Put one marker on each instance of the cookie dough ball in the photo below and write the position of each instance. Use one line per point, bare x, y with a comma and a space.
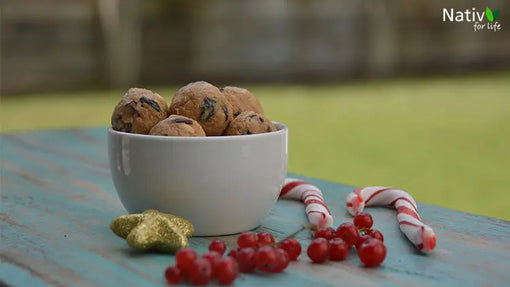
138, 111
176, 125
248, 123
204, 103
242, 100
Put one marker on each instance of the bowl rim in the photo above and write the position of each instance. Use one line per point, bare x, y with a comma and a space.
280, 130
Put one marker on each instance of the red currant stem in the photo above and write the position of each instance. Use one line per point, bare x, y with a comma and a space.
292, 235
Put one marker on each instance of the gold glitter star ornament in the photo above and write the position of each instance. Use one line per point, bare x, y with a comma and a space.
153, 230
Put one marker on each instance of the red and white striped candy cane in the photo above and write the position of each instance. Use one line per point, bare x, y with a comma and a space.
316, 210
421, 235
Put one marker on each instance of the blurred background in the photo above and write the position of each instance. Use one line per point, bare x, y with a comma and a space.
375, 92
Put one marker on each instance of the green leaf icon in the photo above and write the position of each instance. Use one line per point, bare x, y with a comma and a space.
495, 14
488, 14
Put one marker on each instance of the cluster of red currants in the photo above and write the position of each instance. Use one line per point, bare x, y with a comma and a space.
254, 252
334, 244
200, 270
258, 252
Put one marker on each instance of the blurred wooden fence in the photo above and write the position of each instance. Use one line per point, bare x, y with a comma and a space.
49, 45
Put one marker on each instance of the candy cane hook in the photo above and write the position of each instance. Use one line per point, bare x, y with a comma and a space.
421, 235
316, 210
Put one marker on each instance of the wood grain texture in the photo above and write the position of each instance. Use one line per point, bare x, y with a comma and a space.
57, 200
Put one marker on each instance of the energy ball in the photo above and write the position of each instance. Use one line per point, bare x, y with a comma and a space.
248, 123
204, 103
176, 125
242, 100
138, 111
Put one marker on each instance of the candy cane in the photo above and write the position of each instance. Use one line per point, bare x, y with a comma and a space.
318, 213
421, 235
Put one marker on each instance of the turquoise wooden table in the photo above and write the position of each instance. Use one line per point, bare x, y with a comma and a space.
58, 200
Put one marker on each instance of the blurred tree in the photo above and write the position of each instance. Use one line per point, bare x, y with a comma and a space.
121, 27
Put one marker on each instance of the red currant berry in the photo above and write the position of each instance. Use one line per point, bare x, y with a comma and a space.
233, 253
213, 257
245, 259
265, 258
173, 275
200, 272
184, 258
327, 233
374, 233
265, 238
282, 260
218, 246
338, 249
247, 239
363, 220
372, 252
362, 239
292, 246
348, 232
227, 270
318, 250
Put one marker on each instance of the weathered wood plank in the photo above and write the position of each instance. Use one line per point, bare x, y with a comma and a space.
58, 200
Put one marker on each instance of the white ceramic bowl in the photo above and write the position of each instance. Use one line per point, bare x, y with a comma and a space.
223, 185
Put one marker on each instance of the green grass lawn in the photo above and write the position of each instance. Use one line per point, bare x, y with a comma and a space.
445, 140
